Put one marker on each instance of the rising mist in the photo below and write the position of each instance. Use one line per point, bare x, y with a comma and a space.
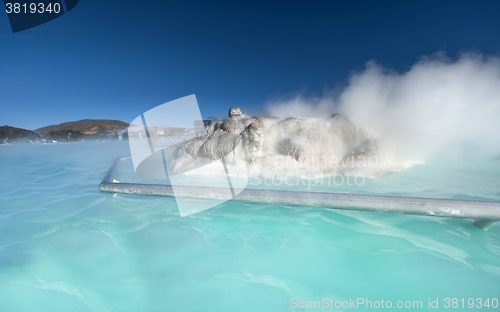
439, 108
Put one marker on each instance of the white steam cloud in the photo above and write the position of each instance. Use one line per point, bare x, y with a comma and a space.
439, 108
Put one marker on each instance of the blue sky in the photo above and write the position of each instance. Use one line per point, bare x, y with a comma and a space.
117, 59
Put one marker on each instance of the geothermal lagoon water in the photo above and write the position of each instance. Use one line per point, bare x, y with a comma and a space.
65, 246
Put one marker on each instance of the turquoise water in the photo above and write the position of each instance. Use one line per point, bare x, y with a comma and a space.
65, 246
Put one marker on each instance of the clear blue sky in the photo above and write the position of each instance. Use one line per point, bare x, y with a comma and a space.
117, 59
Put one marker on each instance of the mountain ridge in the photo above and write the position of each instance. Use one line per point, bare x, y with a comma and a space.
85, 127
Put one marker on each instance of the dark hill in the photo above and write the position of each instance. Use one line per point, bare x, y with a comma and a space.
86, 127
12, 134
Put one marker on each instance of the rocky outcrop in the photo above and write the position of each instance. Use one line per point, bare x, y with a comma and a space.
322, 146
11, 135
253, 139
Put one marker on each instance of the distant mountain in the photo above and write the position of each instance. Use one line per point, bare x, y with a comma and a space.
82, 128
12, 134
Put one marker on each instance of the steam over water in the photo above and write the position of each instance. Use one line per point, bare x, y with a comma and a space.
439, 108
291, 147
65, 246
383, 121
